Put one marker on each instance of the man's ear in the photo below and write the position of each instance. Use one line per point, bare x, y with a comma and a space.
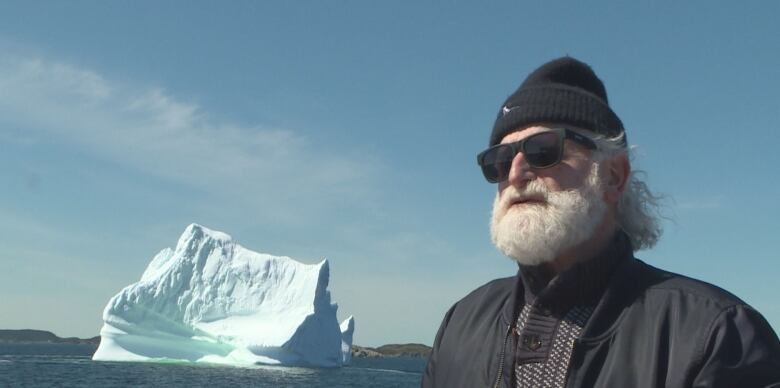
617, 171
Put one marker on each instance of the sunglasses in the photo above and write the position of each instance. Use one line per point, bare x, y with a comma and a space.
540, 150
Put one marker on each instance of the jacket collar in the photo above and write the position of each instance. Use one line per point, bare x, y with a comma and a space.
631, 278
583, 284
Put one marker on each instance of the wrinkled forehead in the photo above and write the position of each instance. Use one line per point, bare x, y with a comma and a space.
528, 130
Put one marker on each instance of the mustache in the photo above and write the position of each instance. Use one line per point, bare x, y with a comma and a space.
534, 190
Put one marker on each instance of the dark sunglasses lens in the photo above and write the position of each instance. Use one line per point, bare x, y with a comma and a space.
540, 151
495, 173
543, 150
496, 163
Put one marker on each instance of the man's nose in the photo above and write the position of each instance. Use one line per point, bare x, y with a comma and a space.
520, 172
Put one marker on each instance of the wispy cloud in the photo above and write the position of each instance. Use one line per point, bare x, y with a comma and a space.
254, 174
148, 129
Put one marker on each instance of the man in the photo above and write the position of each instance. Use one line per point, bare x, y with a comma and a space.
582, 311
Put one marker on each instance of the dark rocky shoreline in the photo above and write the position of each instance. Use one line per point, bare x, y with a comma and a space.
43, 336
392, 350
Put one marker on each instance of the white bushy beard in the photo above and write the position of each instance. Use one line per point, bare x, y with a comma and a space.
536, 233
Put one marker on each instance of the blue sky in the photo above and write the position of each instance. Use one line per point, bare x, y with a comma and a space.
348, 130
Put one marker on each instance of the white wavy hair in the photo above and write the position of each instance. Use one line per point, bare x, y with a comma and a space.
638, 210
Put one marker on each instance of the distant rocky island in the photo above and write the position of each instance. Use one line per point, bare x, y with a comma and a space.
392, 350
43, 336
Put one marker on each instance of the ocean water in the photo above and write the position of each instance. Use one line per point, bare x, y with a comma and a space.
45, 365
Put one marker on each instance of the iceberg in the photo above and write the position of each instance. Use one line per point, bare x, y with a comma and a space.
212, 300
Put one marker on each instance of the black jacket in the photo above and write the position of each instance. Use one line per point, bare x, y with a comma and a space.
652, 328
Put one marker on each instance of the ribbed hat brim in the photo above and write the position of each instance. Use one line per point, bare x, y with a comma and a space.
555, 103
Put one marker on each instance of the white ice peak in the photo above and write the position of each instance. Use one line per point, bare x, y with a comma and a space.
212, 300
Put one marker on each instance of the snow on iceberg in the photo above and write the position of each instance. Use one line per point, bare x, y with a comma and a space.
212, 300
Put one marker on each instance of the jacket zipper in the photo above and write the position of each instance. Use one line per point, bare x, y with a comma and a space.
500, 376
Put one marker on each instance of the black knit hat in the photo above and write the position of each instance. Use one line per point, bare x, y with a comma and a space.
564, 91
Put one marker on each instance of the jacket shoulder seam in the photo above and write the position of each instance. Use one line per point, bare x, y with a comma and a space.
723, 301
705, 339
